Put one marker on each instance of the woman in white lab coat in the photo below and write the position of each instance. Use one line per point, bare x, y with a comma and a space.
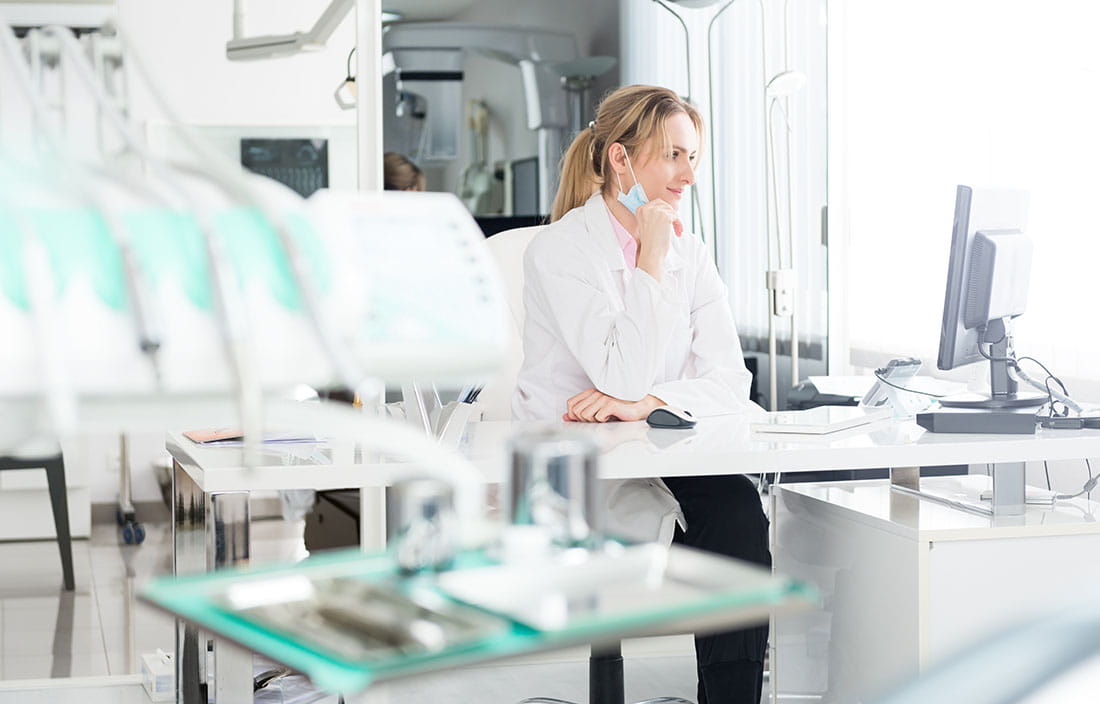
626, 312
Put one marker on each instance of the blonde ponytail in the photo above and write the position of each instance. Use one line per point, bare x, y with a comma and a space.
578, 176
631, 116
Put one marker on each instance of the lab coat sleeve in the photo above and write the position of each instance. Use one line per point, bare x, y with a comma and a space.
716, 380
619, 350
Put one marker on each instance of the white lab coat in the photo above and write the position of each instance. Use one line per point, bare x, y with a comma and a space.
593, 322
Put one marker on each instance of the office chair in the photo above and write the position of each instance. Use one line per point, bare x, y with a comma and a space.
605, 665
55, 477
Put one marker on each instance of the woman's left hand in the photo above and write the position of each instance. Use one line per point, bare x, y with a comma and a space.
593, 406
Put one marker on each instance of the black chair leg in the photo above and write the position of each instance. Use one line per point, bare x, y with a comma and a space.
55, 476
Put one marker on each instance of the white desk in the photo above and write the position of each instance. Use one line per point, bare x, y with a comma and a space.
906, 582
719, 445
210, 491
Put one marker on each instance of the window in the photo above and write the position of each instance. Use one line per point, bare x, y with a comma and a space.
980, 92
743, 38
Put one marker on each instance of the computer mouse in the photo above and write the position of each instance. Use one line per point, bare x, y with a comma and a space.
670, 417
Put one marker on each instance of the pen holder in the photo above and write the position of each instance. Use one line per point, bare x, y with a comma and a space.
422, 524
554, 486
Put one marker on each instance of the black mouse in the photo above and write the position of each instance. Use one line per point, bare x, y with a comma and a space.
670, 417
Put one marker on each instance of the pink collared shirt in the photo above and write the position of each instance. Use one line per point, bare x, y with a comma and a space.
628, 244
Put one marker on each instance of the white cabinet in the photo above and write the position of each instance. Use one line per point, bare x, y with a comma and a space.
905, 582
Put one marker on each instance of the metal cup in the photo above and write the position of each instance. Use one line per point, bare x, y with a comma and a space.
554, 485
422, 524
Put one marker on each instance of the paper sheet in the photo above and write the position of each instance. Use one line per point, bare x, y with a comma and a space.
843, 385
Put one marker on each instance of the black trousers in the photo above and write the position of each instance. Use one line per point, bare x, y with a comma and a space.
724, 515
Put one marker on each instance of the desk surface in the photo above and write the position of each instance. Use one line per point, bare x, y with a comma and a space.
717, 445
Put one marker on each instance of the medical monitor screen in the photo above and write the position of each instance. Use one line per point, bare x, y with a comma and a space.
999, 272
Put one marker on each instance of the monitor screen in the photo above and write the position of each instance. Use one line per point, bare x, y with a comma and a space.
987, 281
976, 210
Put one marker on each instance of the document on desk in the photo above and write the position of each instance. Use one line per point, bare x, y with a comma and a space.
231, 437
822, 420
854, 386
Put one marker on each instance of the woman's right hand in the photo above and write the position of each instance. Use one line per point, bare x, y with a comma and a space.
655, 219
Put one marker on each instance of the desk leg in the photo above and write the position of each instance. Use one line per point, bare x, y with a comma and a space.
372, 518
188, 557
209, 532
1009, 488
905, 477
229, 546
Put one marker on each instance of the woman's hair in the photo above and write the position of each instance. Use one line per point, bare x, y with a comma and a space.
631, 116
400, 174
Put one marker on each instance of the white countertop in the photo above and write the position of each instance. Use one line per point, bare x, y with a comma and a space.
717, 445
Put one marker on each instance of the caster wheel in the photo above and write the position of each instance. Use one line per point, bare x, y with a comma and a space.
128, 534
139, 534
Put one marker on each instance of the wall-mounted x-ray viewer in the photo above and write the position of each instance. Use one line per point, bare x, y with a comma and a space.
300, 164
303, 157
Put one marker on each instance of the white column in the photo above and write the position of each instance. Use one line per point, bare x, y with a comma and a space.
368, 80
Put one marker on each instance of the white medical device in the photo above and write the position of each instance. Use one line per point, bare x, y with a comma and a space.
405, 279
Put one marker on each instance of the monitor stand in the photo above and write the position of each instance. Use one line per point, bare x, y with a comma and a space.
992, 403
1004, 393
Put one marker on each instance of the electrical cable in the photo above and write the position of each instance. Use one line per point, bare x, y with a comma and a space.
1016, 370
878, 375
1086, 489
1046, 471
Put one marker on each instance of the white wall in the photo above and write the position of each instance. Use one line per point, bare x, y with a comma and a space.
183, 45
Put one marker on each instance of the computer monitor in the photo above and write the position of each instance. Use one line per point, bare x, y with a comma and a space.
987, 280
525, 186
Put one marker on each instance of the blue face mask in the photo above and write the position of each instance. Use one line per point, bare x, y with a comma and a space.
635, 197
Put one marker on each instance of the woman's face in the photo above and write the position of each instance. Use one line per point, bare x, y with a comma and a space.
664, 175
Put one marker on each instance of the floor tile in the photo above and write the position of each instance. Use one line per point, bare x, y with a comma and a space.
19, 667
46, 641
66, 609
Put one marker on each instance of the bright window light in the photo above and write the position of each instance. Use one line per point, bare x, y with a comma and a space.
979, 92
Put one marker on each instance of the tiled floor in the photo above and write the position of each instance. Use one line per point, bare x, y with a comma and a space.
84, 647
100, 629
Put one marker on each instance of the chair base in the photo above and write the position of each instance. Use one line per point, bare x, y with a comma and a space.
605, 681
655, 700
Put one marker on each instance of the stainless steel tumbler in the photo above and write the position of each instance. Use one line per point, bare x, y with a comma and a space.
421, 524
554, 485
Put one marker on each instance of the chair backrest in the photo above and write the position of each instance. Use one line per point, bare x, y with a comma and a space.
507, 249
